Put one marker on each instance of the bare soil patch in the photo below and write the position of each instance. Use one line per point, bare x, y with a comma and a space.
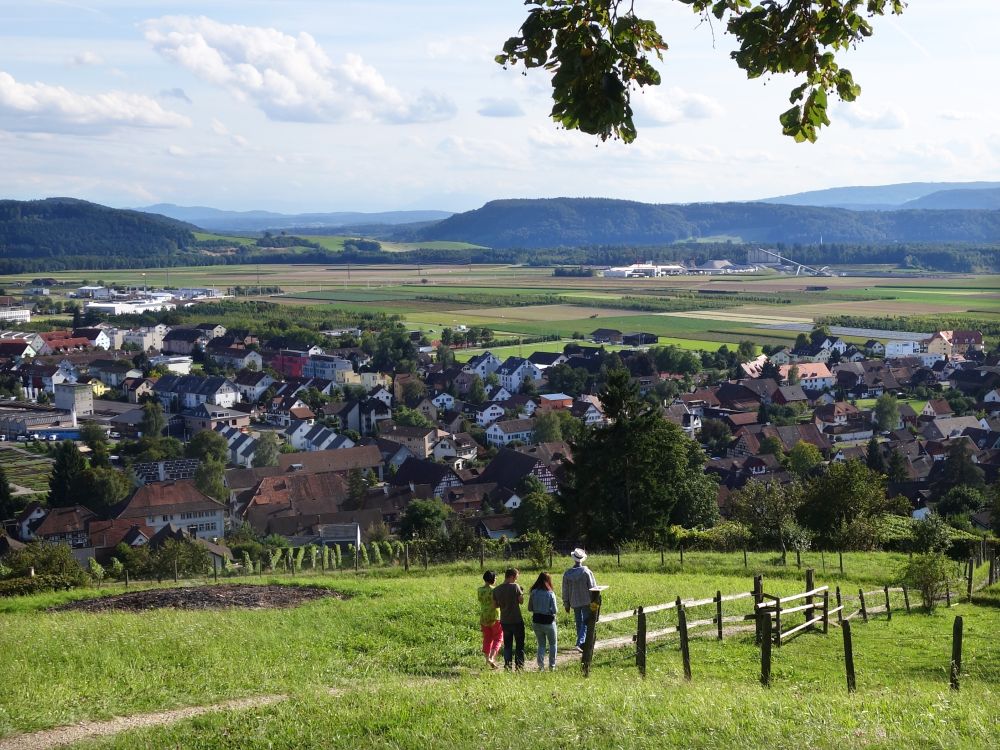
204, 597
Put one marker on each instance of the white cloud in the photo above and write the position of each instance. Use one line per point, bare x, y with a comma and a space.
656, 106
500, 108
888, 117
288, 78
42, 108
85, 58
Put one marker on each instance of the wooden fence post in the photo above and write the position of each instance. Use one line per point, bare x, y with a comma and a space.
215, 570
849, 658
906, 598
588, 643
822, 559
764, 625
640, 643
840, 554
971, 570
745, 564
777, 622
826, 611
947, 594
682, 556
810, 585
175, 570
663, 562
888, 605
758, 597
798, 558
864, 610
682, 629
126, 577
406, 557
840, 608
956, 652
618, 551
718, 614
427, 559
482, 555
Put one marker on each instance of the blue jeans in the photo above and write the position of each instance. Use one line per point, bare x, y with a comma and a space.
545, 634
581, 615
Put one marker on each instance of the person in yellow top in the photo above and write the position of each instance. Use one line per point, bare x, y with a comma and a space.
489, 619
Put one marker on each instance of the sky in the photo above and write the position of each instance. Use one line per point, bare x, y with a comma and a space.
336, 105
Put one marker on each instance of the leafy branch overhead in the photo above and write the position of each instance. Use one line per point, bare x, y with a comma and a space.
599, 51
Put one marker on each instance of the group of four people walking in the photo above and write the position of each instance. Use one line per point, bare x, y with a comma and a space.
501, 621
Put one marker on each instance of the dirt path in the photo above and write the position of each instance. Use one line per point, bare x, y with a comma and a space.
50, 738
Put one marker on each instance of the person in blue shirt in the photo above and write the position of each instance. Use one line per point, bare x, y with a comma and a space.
543, 608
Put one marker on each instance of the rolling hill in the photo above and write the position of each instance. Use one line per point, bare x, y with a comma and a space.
61, 228
574, 222
255, 221
889, 197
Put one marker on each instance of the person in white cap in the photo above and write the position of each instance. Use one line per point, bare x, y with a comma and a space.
576, 585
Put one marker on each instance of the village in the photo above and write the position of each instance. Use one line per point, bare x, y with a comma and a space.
321, 446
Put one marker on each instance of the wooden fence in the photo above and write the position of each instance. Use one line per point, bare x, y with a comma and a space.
769, 614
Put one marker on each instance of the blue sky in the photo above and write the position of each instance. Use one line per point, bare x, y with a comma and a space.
304, 105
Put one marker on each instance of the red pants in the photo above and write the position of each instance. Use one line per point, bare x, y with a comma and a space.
492, 638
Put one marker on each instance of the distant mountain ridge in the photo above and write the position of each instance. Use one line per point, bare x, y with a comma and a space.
577, 222
218, 220
891, 197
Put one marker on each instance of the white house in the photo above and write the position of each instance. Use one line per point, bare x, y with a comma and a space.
515, 371
488, 414
483, 365
898, 349
508, 431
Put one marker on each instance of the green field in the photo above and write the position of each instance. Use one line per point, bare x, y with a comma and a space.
526, 301
401, 655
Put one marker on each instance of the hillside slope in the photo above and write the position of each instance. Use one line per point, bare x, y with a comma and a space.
66, 227
877, 197
987, 199
569, 222
255, 221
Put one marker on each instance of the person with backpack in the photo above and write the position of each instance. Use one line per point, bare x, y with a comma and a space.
543, 608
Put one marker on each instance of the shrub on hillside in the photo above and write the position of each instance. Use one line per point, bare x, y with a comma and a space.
45, 559
25, 585
930, 574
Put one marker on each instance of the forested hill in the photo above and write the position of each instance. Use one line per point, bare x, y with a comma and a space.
574, 222
65, 232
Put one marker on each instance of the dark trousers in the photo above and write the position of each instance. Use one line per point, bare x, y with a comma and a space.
513, 644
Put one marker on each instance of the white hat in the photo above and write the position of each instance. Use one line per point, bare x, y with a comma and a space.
578, 554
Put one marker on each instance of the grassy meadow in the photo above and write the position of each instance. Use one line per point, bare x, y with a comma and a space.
397, 665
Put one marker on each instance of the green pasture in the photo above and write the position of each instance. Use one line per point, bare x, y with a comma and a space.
402, 655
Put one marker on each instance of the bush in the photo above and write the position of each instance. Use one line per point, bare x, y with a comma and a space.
25, 585
729, 536
96, 570
538, 548
930, 574
46, 559
931, 534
